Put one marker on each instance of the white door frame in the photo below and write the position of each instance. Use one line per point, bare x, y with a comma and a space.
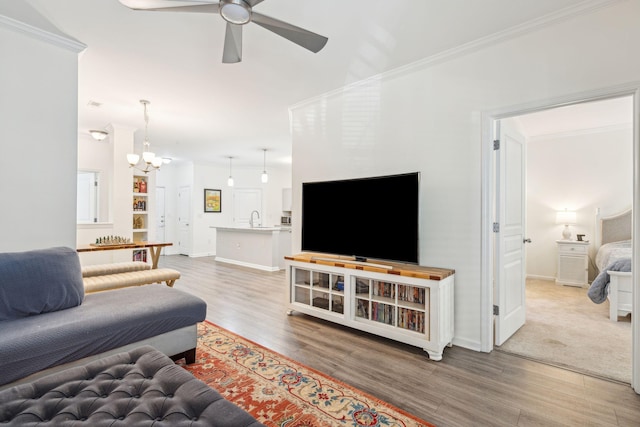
488, 194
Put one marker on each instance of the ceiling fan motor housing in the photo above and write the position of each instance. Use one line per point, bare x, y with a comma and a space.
235, 11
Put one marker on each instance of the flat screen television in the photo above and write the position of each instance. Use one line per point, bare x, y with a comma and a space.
375, 217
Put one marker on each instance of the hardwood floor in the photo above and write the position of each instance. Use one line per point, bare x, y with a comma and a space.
466, 388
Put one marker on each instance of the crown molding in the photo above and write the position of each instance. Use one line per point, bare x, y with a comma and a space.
64, 42
473, 46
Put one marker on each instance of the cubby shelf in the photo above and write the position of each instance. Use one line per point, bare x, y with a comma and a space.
139, 214
407, 303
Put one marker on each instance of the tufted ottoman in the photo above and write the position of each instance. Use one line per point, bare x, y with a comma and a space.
142, 387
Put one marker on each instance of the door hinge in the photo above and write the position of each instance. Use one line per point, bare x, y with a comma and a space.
496, 310
95, 183
496, 144
496, 227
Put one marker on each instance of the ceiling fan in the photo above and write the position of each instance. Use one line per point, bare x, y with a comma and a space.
237, 13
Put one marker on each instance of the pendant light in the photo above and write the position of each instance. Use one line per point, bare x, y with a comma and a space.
230, 180
264, 177
149, 159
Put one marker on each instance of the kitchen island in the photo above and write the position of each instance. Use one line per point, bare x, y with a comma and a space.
263, 248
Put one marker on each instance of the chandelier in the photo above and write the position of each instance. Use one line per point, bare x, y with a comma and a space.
149, 159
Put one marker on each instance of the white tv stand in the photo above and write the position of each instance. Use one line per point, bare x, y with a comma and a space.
403, 302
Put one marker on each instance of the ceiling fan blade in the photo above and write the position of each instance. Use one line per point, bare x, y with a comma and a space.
152, 5
252, 3
308, 40
232, 44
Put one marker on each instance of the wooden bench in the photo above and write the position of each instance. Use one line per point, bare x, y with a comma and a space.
104, 277
114, 268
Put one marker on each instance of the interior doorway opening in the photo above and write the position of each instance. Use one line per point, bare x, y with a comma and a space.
579, 157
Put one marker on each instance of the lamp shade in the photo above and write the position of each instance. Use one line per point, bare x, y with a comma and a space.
566, 217
133, 159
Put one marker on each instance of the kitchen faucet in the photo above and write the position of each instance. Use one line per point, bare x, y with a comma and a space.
251, 220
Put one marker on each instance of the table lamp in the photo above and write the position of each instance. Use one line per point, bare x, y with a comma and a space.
567, 218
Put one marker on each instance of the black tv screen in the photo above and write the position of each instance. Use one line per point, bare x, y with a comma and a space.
374, 217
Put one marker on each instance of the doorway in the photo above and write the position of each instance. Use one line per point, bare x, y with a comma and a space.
549, 234
184, 219
160, 215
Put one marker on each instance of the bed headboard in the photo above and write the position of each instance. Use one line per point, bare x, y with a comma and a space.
613, 228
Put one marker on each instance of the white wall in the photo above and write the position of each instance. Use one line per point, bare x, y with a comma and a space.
109, 158
427, 117
579, 172
38, 135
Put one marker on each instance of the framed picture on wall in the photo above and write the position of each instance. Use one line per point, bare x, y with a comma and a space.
212, 200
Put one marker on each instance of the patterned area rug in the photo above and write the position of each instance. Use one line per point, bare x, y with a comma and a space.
281, 392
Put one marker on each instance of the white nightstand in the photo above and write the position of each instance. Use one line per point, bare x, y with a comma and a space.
573, 263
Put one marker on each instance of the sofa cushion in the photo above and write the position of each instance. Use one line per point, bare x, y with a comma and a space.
39, 281
104, 321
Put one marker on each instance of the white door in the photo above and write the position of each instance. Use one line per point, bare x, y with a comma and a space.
184, 219
509, 277
245, 201
160, 215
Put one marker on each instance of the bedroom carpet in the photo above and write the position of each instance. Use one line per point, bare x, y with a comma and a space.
565, 328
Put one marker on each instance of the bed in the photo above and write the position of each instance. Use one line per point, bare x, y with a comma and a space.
613, 261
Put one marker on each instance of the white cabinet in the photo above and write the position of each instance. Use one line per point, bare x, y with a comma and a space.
286, 199
573, 263
406, 303
259, 247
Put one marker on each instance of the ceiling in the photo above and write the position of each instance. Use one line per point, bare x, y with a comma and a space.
204, 110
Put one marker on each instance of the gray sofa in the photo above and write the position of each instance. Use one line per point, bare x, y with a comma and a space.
47, 323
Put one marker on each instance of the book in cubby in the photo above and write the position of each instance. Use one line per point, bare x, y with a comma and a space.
411, 294
383, 313
140, 255
384, 289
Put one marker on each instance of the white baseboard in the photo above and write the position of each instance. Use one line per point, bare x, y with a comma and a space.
248, 264
468, 344
535, 276
201, 255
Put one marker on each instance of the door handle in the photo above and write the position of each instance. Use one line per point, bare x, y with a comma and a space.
526, 240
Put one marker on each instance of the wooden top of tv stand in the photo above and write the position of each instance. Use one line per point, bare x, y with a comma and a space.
378, 266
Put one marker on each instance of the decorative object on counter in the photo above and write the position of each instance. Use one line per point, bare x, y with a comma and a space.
212, 200
111, 241
581, 238
567, 218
